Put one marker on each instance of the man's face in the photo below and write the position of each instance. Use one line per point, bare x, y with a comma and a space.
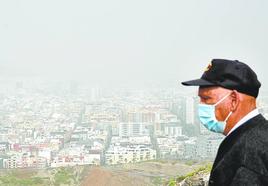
211, 95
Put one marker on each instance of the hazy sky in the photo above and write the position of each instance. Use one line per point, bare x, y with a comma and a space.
130, 41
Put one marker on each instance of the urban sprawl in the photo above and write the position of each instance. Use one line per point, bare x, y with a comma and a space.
66, 124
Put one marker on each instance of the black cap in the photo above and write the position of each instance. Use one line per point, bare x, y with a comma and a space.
229, 74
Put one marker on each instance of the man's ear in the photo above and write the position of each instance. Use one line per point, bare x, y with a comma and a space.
235, 100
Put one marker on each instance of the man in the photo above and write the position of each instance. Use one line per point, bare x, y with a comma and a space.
228, 91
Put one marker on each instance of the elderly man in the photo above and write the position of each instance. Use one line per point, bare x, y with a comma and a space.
228, 91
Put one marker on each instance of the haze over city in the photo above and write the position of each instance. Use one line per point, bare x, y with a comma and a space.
92, 89
129, 43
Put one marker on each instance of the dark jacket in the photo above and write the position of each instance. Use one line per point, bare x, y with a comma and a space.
242, 158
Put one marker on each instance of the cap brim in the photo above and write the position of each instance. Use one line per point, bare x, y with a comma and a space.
198, 82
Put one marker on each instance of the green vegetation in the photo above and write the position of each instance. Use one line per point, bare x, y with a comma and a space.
172, 182
157, 181
205, 169
12, 180
61, 176
64, 176
191, 162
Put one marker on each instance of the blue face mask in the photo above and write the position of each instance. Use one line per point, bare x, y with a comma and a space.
208, 119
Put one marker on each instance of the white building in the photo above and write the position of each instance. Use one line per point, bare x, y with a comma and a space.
190, 149
131, 129
169, 147
11, 162
173, 131
83, 159
129, 154
207, 146
203, 147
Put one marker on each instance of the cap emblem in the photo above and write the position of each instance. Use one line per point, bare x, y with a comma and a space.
208, 67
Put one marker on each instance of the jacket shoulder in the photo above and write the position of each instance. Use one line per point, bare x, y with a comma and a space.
256, 147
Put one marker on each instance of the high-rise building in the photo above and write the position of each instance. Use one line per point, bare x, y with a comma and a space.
95, 94
127, 129
190, 110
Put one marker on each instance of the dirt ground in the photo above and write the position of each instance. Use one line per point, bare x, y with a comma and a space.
149, 173
105, 177
139, 174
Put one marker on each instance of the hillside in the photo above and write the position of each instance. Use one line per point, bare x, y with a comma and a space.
139, 174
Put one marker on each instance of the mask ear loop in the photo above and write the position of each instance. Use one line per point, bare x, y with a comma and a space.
222, 99
228, 116
225, 121
220, 102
